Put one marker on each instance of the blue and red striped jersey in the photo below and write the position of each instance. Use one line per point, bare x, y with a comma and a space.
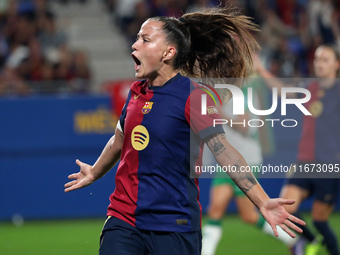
320, 138
163, 140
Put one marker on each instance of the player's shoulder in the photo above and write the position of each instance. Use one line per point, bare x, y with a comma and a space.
199, 88
180, 82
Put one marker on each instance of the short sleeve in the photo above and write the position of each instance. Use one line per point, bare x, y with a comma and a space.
202, 124
121, 121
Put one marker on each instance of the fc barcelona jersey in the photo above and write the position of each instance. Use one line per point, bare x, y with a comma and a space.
163, 141
320, 138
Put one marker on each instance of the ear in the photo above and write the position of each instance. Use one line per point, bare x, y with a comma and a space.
169, 53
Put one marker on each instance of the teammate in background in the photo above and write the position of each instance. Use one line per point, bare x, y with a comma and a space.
319, 143
154, 208
246, 140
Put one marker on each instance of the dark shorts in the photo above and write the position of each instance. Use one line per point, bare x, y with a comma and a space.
322, 189
120, 238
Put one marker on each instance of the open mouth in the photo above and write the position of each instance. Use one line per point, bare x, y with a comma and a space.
137, 62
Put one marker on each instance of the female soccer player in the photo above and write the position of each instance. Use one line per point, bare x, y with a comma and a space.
160, 135
319, 147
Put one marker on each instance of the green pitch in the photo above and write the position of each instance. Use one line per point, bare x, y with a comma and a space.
81, 237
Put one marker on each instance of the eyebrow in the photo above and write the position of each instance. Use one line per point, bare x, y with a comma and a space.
142, 35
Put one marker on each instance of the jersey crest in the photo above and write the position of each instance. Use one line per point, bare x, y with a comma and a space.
147, 107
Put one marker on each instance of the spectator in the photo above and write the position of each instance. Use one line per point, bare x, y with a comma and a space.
34, 55
49, 36
81, 73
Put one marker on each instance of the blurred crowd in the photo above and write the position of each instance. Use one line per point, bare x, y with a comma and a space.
290, 29
35, 57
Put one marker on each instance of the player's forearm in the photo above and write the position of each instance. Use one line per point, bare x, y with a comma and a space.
228, 156
108, 158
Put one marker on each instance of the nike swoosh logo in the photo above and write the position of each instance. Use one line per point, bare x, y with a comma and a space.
135, 97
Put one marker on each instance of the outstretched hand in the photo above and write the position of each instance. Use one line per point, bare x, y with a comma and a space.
81, 179
276, 215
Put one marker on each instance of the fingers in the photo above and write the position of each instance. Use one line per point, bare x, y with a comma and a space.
287, 225
283, 201
79, 163
70, 186
287, 230
275, 230
70, 189
73, 176
292, 218
292, 226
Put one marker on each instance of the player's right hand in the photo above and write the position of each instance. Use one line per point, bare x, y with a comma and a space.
81, 179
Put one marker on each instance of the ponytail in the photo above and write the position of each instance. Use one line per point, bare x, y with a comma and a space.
212, 43
221, 43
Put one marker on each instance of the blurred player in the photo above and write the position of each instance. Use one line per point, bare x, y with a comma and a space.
319, 144
154, 208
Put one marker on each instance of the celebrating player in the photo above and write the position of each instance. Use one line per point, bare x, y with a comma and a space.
319, 146
161, 132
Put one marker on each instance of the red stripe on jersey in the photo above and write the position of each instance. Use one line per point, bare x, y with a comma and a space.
198, 200
193, 115
306, 151
199, 163
124, 199
198, 122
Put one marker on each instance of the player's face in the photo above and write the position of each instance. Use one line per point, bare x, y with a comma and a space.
148, 49
325, 63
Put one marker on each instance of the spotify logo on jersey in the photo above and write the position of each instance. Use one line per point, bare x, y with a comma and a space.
139, 138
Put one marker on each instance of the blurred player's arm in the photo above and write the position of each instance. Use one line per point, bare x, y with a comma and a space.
271, 209
270, 79
107, 159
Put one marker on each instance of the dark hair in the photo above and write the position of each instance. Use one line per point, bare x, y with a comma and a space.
212, 43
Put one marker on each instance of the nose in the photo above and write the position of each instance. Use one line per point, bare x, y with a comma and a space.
134, 46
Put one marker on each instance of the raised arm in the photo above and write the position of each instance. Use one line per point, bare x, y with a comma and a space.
270, 79
271, 209
108, 158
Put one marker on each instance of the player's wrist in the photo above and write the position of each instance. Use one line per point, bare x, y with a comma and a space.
94, 174
260, 197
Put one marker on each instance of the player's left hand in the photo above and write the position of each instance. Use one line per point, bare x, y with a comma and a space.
81, 179
276, 215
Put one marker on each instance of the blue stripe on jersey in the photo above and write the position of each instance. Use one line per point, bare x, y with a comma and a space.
164, 170
327, 144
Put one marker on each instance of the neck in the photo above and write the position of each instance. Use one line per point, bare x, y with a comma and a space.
162, 77
327, 83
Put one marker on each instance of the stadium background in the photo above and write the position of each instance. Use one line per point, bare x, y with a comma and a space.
62, 87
